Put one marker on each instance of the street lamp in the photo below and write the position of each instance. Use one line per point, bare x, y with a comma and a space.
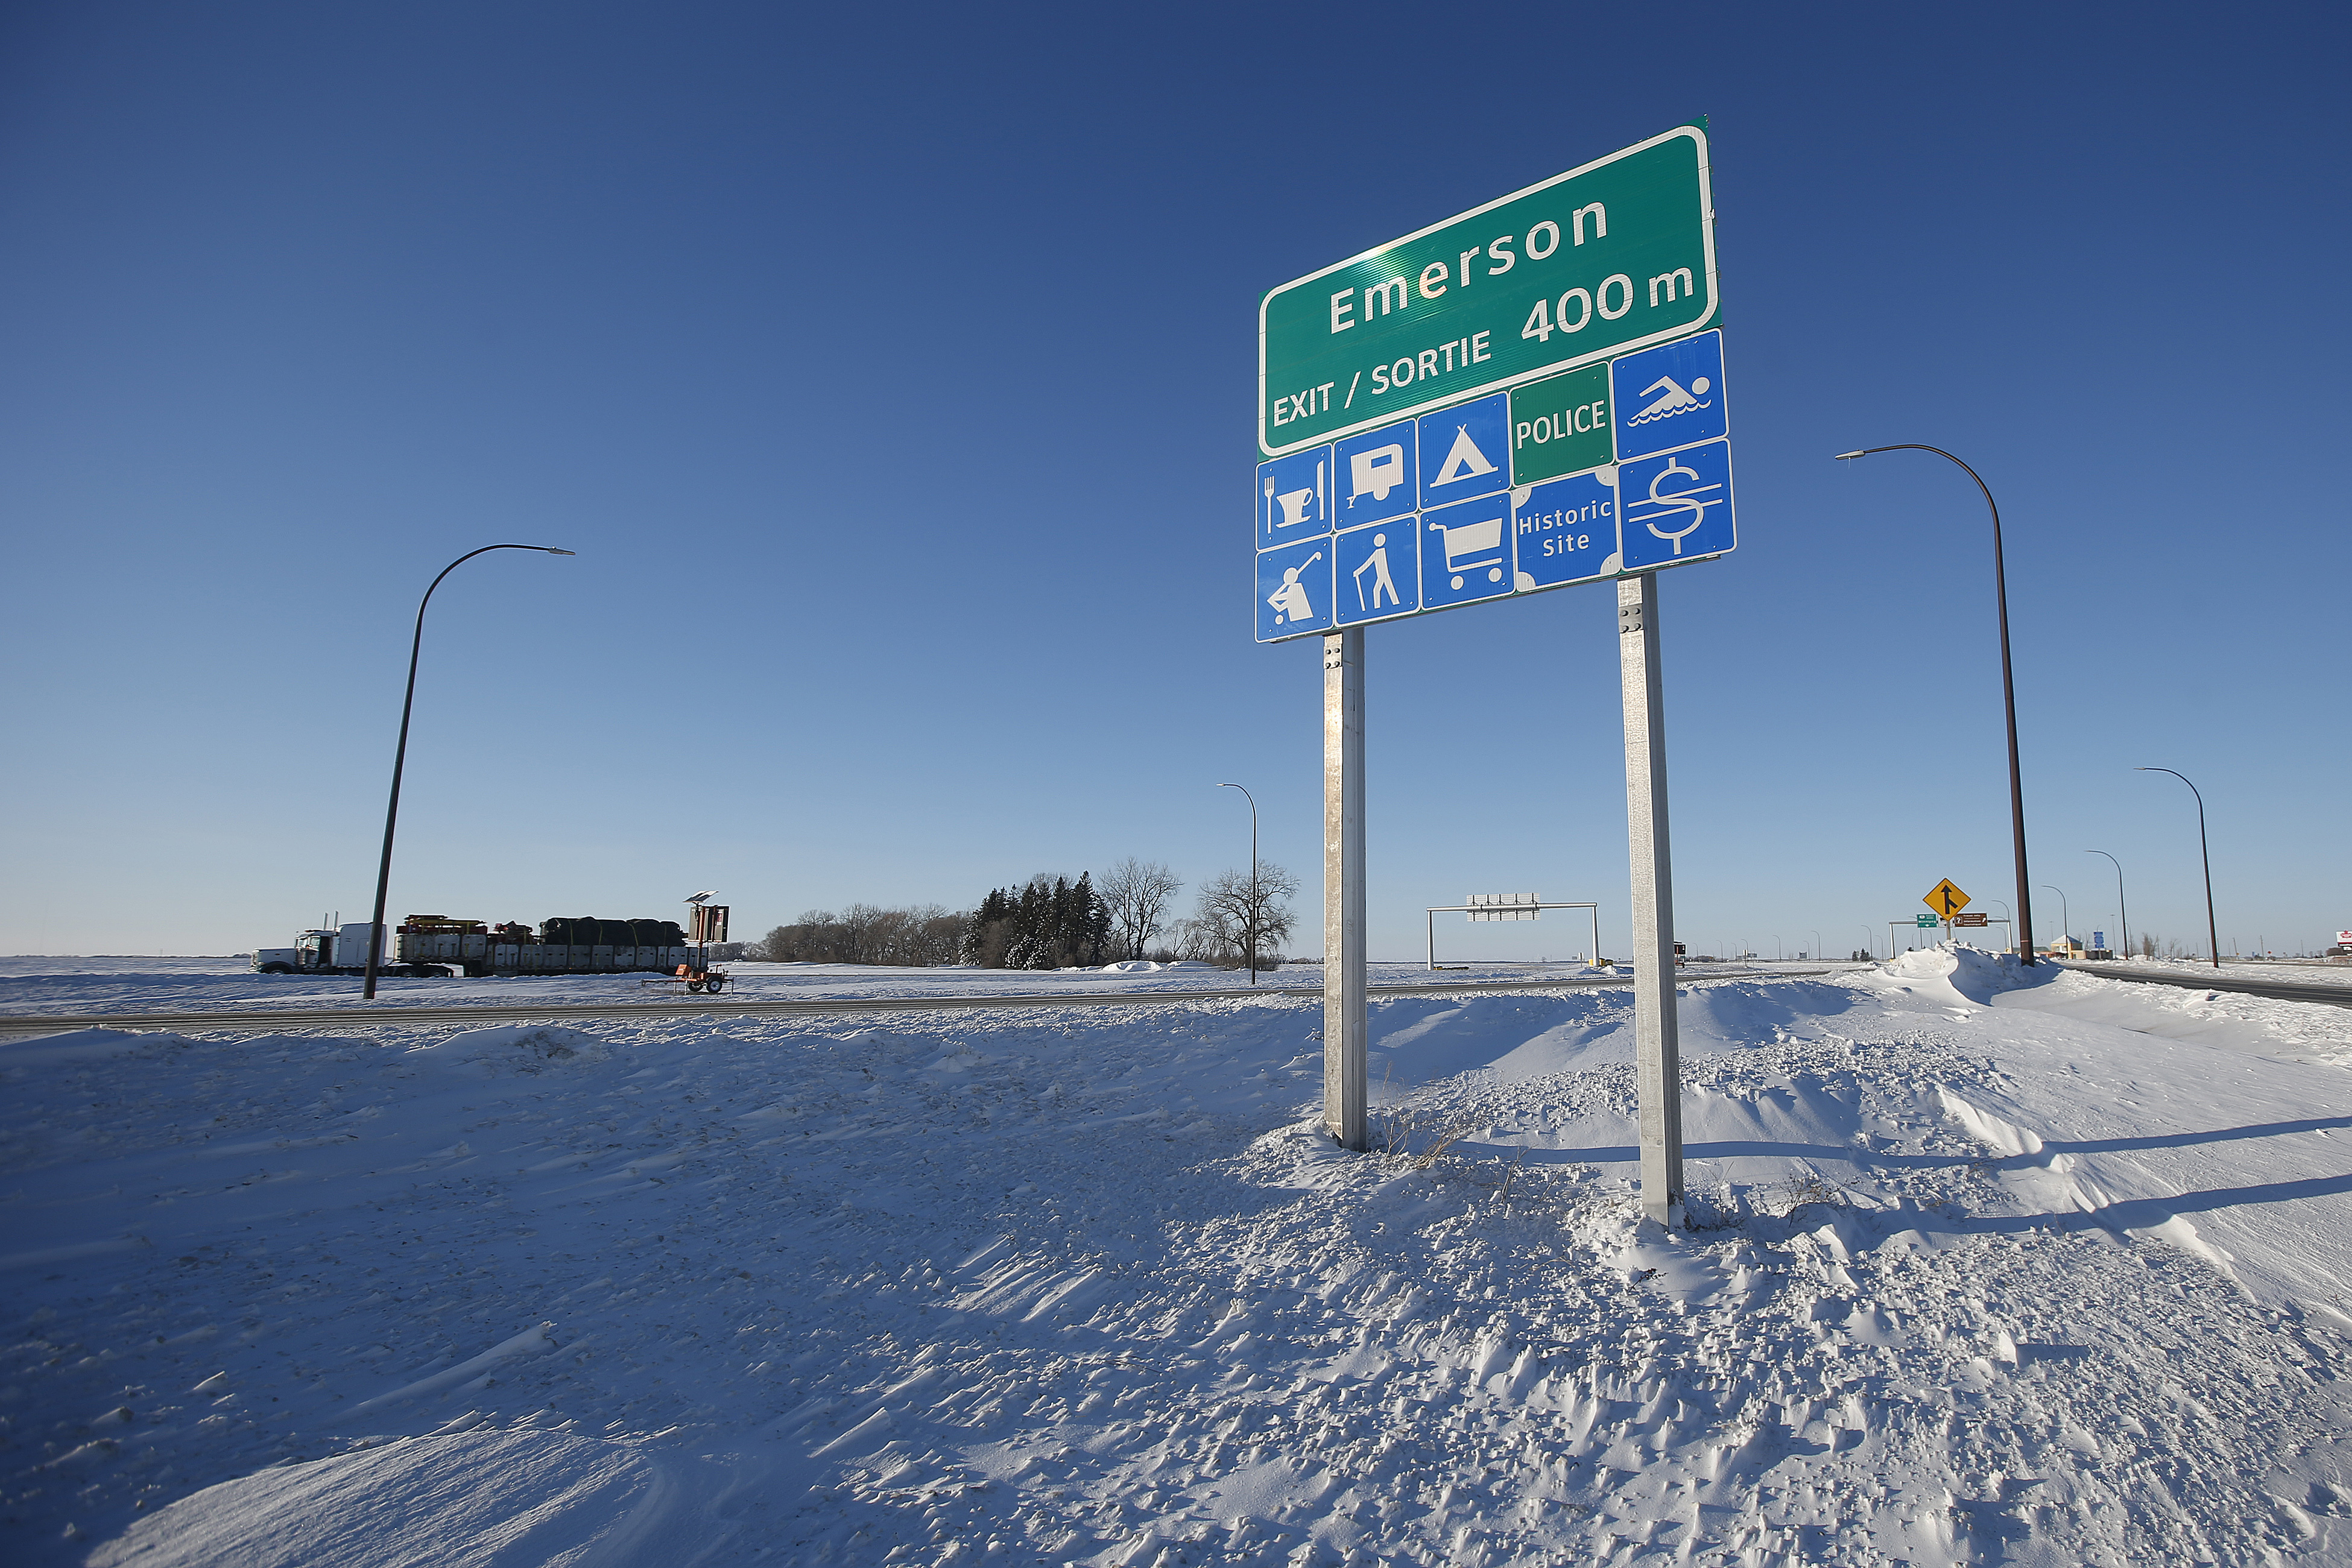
2214, 941
2120, 907
1869, 941
2064, 919
1817, 947
1249, 920
400, 757
2008, 685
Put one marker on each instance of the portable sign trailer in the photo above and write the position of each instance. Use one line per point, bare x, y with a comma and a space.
707, 923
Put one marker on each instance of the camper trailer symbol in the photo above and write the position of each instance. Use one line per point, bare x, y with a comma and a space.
1374, 477
1376, 473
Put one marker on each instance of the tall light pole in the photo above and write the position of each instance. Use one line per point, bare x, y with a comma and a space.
2121, 907
1249, 922
2066, 920
1817, 947
2214, 941
2007, 687
400, 756
1870, 942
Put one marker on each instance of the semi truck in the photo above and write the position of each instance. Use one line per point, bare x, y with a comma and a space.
438, 947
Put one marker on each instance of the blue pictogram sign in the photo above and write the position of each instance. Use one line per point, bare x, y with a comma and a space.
1375, 477
1669, 396
1466, 451
1294, 589
1675, 506
1294, 497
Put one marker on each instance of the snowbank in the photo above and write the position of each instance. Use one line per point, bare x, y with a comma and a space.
1970, 973
1969, 1279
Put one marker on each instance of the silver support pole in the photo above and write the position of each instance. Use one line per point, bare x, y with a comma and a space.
1344, 1020
1657, 1051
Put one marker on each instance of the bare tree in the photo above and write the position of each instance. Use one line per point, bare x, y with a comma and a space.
865, 934
1138, 893
1236, 912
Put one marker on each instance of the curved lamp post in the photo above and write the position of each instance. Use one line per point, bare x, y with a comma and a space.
2121, 907
2007, 687
1249, 924
400, 756
2066, 920
2214, 941
1870, 942
1817, 946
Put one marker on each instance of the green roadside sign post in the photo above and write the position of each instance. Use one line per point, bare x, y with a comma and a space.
1526, 396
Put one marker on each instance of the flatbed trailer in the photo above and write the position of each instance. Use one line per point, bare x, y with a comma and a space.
438, 947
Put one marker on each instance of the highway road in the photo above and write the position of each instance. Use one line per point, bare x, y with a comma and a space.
2281, 990
287, 1020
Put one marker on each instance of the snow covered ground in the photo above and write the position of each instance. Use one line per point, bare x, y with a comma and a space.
44, 987
1977, 1271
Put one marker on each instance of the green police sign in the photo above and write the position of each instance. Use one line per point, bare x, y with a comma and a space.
1609, 257
1560, 424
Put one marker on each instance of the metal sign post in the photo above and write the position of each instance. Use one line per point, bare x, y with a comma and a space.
1344, 1019
1656, 1042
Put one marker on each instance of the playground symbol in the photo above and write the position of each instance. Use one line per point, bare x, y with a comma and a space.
1294, 589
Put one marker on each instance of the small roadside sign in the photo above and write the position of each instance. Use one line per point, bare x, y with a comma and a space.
1926, 919
1970, 919
1945, 899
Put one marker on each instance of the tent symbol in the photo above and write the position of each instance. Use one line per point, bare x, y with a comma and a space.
1464, 461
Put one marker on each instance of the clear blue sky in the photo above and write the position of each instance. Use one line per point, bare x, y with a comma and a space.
891, 371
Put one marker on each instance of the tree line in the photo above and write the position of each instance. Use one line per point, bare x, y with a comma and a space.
919, 937
1050, 922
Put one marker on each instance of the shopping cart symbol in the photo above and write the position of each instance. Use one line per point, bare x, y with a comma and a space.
1469, 546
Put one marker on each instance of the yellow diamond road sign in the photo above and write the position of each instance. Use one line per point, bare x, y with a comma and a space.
1945, 899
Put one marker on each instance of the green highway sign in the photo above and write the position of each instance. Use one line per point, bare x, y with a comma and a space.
1926, 919
1560, 424
1604, 260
